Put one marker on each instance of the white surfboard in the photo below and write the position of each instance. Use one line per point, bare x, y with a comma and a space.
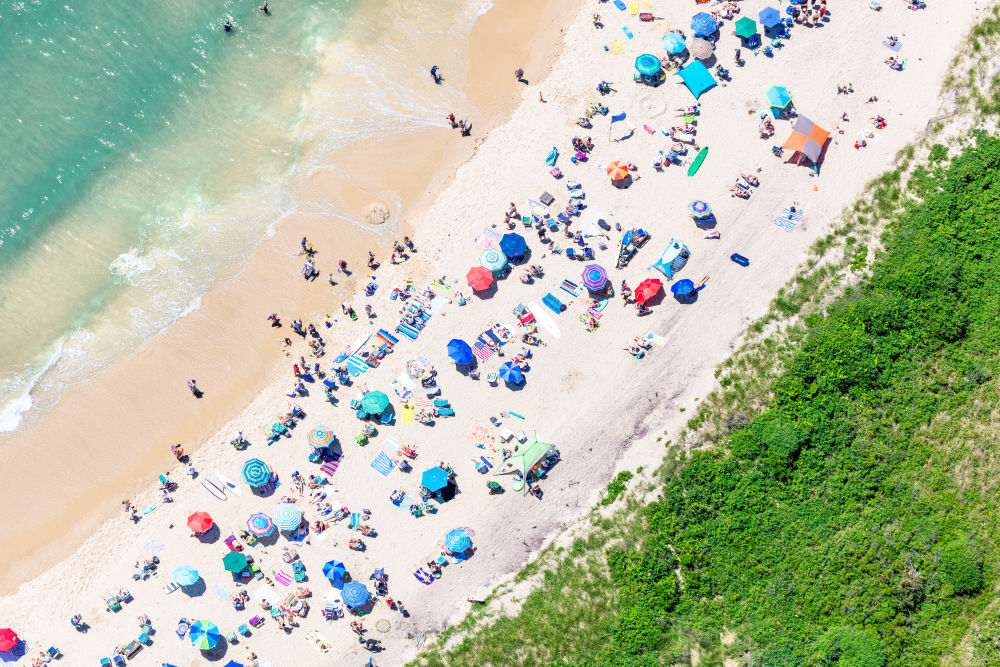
543, 318
228, 485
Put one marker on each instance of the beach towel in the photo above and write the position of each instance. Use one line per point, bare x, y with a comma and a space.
628, 33
401, 390
283, 578
355, 520
488, 239
553, 304
894, 47
221, 593
620, 5
571, 287
405, 503
422, 402
385, 335
633, 9
331, 466
147, 509
382, 464
492, 336
616, 48
482, 350
552, 157
356, 365
655, 339
407, 414
600, 305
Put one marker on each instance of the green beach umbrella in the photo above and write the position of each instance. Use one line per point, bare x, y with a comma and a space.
374, 402
234, 561
746, 27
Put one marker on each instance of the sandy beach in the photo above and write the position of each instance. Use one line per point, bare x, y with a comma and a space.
582, 392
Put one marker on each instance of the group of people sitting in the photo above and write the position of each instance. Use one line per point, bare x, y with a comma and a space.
743, 189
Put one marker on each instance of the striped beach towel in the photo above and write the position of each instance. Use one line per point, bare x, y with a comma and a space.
482, 350
331, 466
282, 578
356, 365
382, 464
422, 402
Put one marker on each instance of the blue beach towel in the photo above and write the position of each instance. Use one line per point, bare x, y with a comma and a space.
554, 304
553, 156
382, 464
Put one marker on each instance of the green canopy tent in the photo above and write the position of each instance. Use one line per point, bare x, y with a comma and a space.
527, 455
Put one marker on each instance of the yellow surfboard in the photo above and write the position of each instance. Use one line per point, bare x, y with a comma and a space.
633, 9
617, 48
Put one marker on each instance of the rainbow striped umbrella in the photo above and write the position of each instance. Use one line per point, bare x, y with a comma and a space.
699, 207
260, 524
594, 277
457, 540
320, 436
286, 516
204, 635
256, 473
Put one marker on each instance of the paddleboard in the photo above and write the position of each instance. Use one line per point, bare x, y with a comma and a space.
228, 485
617, 47
213, 489
620, 5
633, 9
543, 318
693, 169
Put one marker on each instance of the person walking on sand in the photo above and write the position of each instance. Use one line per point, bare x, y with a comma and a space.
540, 98
194, 389
519, 74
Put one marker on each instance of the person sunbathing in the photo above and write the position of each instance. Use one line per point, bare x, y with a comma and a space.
750, 179
739, 192
356, 544
367, 531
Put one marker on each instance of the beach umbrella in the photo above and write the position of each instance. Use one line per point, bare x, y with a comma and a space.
492, 259
286, 516
673, 43
186, 575
354, 594
647, 289
204, 635
746, 27
618, 170
334, 570
511, 372
594, 277
8, 639
260, 524
700, 49
700, 208
459, 351
778, 96
457, 541
234, 561
199, 522
703, 24
513, 245
320, 436
256, 473
434, 479
647, 64
682, 287
374, 402
479, 278
769, 18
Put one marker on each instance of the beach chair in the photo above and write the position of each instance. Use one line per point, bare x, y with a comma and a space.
231, 638
441, 403
256, 621
446, 412
493, 377
54, 652
118, 661
244, 630
105, 662
570, 253
114, 604
385, 417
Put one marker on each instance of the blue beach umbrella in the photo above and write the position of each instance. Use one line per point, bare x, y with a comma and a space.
354, 594
457, 541
769, 18
513, 245
186, 575
286, 516
682, 287
778, 96
204, 635
511, 372
434, 479
334, 570
673, 43
459, 351
703, 24
256, 473
647, 64
492, 259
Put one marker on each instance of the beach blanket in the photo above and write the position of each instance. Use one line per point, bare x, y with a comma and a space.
405, 503
402, 391
387, 337
407, 414
355, 520
382, 464
221, 593
655, 339
788, 219
482, 350
283, 578
490, 238
155, 546
438, 303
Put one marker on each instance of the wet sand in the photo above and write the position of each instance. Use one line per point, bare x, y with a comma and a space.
109, 437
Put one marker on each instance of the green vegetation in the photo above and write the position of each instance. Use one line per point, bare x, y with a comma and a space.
845, 514
617, 486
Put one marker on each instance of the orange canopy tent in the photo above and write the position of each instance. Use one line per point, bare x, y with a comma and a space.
807, 138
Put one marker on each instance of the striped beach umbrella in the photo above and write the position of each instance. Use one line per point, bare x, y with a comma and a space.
286, 516
354, 594
204, 635
186, 575
260, 524
199, 522
617, 170
700, 49
594, 277
493, 259
375, 402
699, 208
334, 570
256, 473
320, 436
457, 540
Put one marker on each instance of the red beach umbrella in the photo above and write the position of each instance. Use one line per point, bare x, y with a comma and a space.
199, 522
647, 289
479, 278
8, 639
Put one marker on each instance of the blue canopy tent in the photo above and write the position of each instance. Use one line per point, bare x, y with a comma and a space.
511, 372
513, 245
703, 25
673, 258
673, 43
459, 351
769, 18
697, 78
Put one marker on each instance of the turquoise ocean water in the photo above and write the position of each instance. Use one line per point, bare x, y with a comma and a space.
143, 145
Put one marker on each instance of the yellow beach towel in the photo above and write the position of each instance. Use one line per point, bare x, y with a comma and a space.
617, 48
407, 414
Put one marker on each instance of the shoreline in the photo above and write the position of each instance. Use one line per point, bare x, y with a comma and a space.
601, 408
249, 363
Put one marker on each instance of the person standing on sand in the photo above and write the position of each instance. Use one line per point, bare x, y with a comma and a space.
519, 75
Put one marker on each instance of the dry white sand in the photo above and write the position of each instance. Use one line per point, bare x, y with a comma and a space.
582, 392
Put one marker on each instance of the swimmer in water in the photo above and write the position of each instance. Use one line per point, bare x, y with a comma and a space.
264, 8
228, 25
